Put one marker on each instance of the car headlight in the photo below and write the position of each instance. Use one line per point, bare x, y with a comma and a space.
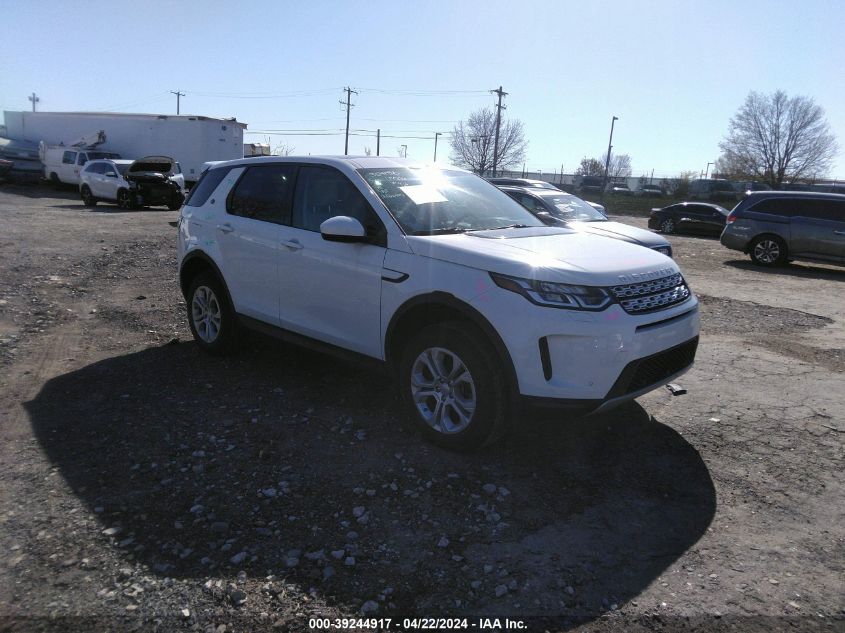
555, 295
666, 250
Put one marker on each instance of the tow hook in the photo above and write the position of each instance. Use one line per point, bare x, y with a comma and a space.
676, 389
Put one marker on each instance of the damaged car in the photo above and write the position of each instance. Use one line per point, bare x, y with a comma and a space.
155, 181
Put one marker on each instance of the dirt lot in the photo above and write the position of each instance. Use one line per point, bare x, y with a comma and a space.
145, 485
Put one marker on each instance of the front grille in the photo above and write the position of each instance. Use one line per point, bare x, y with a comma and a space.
651, 370
648, 296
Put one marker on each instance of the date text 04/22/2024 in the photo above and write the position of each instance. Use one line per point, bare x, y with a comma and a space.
411, 624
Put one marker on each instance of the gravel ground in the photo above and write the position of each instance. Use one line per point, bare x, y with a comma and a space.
147, 486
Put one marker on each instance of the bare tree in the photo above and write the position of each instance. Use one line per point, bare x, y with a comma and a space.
619, 167
590, 167
283, 149
776, 138
473, 142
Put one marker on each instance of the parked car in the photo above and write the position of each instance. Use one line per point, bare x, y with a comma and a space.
619, 189
65, 164
774, 227
155, 181
591, 184
523, 182
104, 181
689, 217
469, 300
712, 189
650, 191
564, 209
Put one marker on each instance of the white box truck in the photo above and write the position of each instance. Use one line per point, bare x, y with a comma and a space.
191, 140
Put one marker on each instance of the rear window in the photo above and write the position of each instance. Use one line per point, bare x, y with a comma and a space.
206, 185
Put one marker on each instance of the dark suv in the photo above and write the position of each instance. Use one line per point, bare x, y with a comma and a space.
774, 227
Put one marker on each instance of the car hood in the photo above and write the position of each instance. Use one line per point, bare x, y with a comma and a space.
621, 231
549, 254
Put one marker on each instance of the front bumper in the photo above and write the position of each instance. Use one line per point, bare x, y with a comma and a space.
587, 360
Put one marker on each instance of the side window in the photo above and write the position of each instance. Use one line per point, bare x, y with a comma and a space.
69, 158
263, 193
824, 210
205, 186
531, 204
776, 206
91, 168
323, 193
82, 159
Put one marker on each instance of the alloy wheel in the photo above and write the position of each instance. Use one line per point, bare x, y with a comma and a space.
767, 251
443, 390
668, 226
206, 314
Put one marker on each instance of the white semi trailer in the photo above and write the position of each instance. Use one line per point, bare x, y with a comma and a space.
191, 140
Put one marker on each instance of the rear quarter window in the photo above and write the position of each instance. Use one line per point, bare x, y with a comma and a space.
784, 207
206, 185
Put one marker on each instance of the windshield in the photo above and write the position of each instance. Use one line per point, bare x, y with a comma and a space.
429, 201
93, 155
572, 209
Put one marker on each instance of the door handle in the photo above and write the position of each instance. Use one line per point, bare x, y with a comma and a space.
840, 232
225, 228
293, 245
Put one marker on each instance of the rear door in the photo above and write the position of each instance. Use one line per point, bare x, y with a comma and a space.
817, 228
68, 166
331, 291
248, 235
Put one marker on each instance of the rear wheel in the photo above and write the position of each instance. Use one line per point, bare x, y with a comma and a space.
175, 202
667, 226
88, 198
210, 316
768, 250
453, 387
54, 180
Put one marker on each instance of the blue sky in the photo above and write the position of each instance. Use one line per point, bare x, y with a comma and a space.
673, 72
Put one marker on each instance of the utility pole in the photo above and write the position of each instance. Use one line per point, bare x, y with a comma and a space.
499, 107
178, 94
651, 180
378, 142
609, 147
561, 173
436, 134
348, 103
34, 98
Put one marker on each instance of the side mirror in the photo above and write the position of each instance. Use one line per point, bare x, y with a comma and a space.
342, 228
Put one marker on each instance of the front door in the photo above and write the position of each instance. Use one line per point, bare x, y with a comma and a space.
331, 291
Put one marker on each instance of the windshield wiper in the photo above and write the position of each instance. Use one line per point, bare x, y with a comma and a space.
509, 226
444, 231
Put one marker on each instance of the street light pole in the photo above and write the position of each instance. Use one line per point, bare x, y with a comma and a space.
609, 146
707, 172
436, 134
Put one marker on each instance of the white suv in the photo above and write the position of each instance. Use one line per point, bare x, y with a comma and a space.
468, 299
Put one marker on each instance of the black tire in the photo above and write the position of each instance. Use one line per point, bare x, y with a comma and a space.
176, 202
768, 250
125, 200
488, 420
223, 342
54, 180
667, 226
88, 198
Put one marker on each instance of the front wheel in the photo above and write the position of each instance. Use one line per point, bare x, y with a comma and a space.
453, 386
768, 250
210, 316
125, 200
88, 198
667, 226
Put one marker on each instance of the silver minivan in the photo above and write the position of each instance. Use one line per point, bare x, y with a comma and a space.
774, 227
